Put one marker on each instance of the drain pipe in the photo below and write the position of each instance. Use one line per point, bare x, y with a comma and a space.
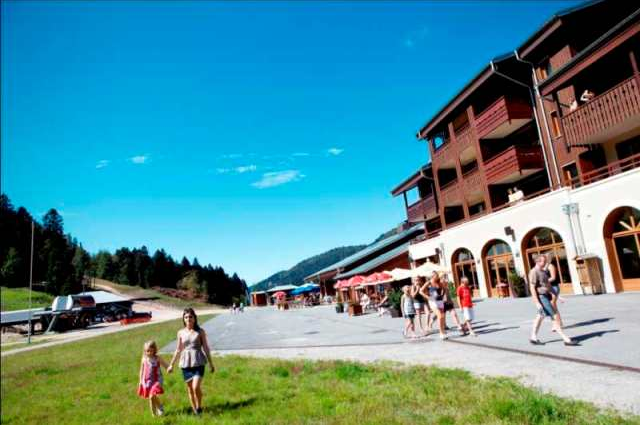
535, 115
566, 209
544, 115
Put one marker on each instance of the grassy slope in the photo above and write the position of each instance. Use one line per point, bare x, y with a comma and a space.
18, 299
138, 292
94, 381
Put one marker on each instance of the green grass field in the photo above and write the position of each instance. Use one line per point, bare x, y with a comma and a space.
94, 381
18, 299
138, 292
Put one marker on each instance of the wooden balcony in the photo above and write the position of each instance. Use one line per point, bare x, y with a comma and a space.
450, 194
502, 118
465, 138
613, 113
473, 182
422, 210
608, 170
513, 164
445, 154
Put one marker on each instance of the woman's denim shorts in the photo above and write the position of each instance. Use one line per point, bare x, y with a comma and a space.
547, 308
188, 373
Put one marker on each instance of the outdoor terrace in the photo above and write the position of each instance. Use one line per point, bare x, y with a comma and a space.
614, 112
502, 118
513, 164
602, 173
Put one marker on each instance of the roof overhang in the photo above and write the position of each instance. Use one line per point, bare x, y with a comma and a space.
455, 102
539, 36
619, 34
411, 182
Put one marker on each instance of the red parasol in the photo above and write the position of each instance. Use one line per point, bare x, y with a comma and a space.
356, 281
280, 294
372, 278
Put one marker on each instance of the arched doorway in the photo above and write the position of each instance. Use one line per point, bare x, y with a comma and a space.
544, 240
499, 264
622, 239
465, 265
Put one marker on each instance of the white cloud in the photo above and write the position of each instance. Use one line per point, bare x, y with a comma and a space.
278, 178
301, 154
245, 169
223, 170
335, 151
140, 159
415, 37
102, 163
231, 156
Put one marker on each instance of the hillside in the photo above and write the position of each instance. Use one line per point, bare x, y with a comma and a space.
297, 273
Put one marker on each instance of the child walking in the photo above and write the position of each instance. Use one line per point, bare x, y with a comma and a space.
150, 385
408, 312
466, 304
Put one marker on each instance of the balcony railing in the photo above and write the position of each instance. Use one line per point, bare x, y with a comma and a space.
512, 161
502, 117
590, 122
473, 181
609, 170
465, 138
422, 210
450, 193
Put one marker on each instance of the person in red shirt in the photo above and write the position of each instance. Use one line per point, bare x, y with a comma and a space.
466, 304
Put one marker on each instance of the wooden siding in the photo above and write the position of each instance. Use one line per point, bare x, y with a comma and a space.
514, 159
450, 193
613, 107
499, 112
422, 210
473, 181
465, 138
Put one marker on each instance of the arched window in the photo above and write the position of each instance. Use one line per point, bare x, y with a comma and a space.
546, 241
499, 266
622, 237
464, 265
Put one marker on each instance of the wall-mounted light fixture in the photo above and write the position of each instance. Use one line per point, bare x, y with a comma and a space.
509, 232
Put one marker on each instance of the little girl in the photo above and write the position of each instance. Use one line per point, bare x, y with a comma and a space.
408, 312
150, 385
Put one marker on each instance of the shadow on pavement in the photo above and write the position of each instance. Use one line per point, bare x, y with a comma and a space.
589, 322
490, 331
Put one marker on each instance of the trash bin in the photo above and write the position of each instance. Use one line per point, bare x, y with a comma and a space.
589, 274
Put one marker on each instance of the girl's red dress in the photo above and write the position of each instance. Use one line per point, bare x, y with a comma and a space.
151, 384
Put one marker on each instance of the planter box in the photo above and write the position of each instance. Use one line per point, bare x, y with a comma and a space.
339, 308
355, 310
394, 312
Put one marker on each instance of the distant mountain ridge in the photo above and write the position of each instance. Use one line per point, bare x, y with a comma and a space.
296, 274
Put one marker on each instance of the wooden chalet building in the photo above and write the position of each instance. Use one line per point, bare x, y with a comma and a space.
574, 165
385, 254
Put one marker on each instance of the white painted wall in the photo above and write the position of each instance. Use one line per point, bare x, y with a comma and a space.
594, 201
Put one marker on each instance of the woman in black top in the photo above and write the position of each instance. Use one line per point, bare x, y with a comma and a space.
419, 305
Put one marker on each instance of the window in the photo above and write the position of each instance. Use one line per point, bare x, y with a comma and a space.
544, 69
571, 175
555, 124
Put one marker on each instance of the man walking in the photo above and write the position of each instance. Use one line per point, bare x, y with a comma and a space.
543, 296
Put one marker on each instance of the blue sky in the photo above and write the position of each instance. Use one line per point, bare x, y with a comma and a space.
251, 134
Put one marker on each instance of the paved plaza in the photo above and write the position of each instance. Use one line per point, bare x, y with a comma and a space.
604, 369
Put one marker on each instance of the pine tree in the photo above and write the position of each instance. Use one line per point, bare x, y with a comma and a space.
13, 270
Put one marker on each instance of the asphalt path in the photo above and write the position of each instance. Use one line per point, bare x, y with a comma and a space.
604, 369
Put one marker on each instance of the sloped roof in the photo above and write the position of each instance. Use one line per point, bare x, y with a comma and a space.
371, 249
381, 259
454, 102
282, 288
